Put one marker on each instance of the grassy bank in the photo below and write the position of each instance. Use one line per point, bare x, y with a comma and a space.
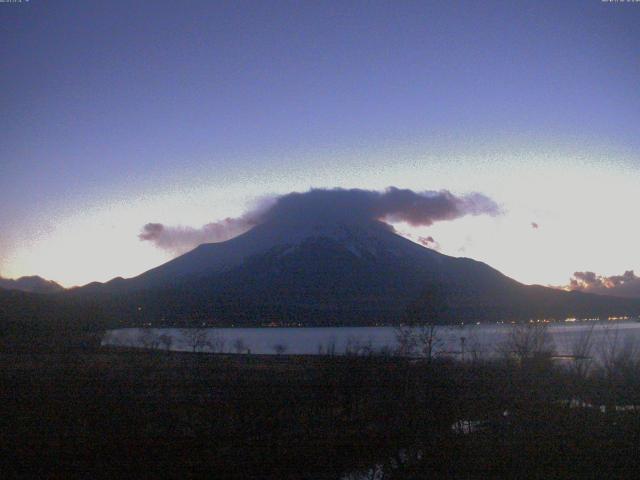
105, 413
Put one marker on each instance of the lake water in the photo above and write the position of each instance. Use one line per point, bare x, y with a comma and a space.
484, 339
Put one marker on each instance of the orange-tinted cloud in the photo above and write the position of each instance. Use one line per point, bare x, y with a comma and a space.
625, 285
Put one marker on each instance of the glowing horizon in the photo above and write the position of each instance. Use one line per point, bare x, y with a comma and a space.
540, 196
534, 107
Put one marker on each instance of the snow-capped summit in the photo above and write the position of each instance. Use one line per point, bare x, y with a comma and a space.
360, 238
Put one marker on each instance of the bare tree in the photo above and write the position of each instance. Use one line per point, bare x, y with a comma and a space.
357, 346
385, 351
239, 345
406, 340
473, 348
328, 349
148, 338
216, 342
279, 348
528, 341
422, 339
620, 363
609, 351
166, 341
618, 355
581, 351
331, 347
196, 338
429, 340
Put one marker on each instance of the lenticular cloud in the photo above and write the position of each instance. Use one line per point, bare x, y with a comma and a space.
328, 206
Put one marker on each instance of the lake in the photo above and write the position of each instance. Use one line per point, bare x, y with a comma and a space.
482, 340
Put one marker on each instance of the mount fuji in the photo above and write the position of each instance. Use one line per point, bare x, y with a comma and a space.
333, 273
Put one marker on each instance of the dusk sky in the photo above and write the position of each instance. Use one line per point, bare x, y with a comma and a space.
116, 114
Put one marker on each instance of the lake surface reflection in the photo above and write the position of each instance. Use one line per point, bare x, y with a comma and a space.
481, 340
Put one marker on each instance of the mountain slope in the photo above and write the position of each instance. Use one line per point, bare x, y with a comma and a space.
212, 258
33, 284
328, 274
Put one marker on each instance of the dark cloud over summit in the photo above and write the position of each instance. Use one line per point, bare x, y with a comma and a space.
391, 205
329, 206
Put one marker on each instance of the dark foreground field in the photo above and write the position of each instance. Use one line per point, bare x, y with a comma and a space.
122, 414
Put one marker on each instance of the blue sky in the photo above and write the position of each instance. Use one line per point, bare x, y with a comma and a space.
116, 114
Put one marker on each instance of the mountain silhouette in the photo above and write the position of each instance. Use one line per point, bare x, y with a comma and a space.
332, 273
33, 284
